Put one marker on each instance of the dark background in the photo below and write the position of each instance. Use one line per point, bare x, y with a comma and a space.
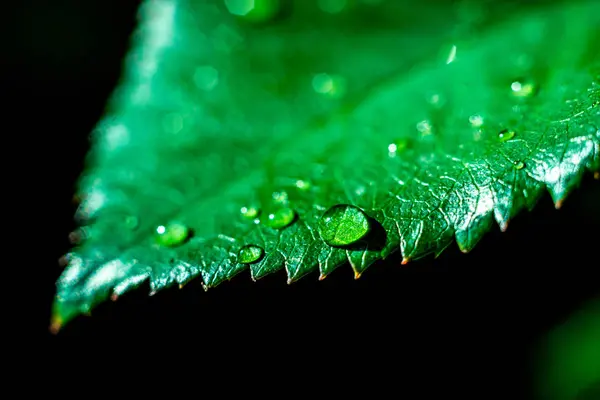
461, 325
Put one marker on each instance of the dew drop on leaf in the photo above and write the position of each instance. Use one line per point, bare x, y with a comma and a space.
281, 218
302, 184
506, 134
523, 88
250, 212
519, 165
343, 225
250, 254
476, 121
172, 234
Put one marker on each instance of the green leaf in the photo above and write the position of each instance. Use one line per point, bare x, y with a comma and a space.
431, 120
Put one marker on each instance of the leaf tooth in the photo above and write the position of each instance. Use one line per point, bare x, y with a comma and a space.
272, 262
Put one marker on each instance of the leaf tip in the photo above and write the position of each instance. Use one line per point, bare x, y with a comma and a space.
558, 204
114, 297
405, 261
597, 175
322, 277
55, 324
504, 225
357, 275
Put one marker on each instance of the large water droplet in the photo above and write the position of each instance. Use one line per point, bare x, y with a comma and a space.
249, 212
250, 254
523, 88
343, 225
506, 134
281, 218
172, 234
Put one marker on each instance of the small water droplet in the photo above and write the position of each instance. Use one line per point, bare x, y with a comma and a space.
330, 85
250, 254
424, 127
332, 6
398, 146
302, 184
519, 165
476, 120
523, 88
435, 99
281, 218
250, 212
452, 55
343, 224
506, 134
280, 197
172, 234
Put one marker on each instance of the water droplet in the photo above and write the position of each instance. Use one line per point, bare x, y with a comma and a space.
424, 127
281, 218
332, 6
172, 234
343, 224
250, 212
506, 134
476, 121
397, 146
302, 184
254, 10
250, 254
330, 85
206, 77
523, 88
519, 165
280, 197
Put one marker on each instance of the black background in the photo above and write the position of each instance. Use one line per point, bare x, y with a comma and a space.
461, 324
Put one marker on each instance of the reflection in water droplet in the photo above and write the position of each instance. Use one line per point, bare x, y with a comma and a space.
424, 127
281, 218
206, 77
506, 134
519, 165
343, 225
250, 254
250, 212
332, 6
451, 55
523, 88
476, 121
172, 234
